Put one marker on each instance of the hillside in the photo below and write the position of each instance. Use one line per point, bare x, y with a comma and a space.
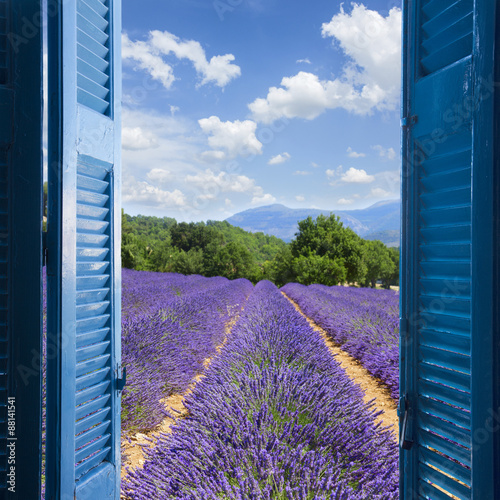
381, 220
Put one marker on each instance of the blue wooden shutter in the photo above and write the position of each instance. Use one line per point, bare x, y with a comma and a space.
447, 347
83, 414
20, 250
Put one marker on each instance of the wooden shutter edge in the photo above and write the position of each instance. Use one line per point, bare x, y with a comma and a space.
26, 248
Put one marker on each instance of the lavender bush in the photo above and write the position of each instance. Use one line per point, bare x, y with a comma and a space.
171, 324
275, 417
363, 321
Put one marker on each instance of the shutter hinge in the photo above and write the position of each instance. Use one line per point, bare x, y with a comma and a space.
403, 411
44, 248
408, 121
121, 380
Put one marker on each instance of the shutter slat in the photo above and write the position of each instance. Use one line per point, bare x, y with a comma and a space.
446, 270
91, 240
96, 18
447, 289
457, 437
445, 394
441, 199
432, 441
444, 323
91, 434
91, 212
442, 375
86, 283
89, 198
90, 337
91, 462
448, 359
92, 45
456, 306
427, 491
98, 6
90, 365
92, 406
93, 60
93, 419
446, 217
87, 310
91, 379
91, 268
92, 88
444, 252
91, 226
445, 465
447, 483
91, 254
449, 341
442, 410
90, 296
92, 101
93, 74
95, 323
92, 184
97, 34
91, 393
91, 448
91, 350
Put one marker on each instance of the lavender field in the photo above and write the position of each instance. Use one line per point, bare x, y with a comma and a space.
363, 321
275, 416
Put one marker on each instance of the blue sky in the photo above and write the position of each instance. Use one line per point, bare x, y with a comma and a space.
234, 104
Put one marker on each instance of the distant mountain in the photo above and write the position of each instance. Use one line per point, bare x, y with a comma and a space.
379, 221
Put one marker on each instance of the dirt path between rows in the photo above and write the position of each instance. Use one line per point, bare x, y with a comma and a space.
373, 388
133, 450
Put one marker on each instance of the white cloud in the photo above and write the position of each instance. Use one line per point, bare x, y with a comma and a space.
300, 198
356, 176
137, 138
281, 158
330, 173
302, 172
314, 165
305, 61
159, 176
235, 138
141, 53
352, 154
143, 193
174, 109
379, 193
263, 199
344, 201
149, 54
371, 79
385, 153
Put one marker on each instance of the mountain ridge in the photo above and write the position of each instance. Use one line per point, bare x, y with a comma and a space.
378, 221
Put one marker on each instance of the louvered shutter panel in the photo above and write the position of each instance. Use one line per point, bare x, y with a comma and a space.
20, 251
446, 330
83, 444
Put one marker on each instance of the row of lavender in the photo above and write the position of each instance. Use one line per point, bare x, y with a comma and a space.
363, 321
171, 323
275, 417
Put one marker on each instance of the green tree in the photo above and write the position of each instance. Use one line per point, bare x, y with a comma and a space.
378, 263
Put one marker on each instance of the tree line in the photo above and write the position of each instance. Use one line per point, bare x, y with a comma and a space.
323, 251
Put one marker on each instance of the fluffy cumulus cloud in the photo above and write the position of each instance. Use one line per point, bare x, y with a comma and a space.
149, 56
344, 201
143, 193
137, 138
370, 80
385, 153
211, 185
356, 176
230, 139
352, 154
281, 158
